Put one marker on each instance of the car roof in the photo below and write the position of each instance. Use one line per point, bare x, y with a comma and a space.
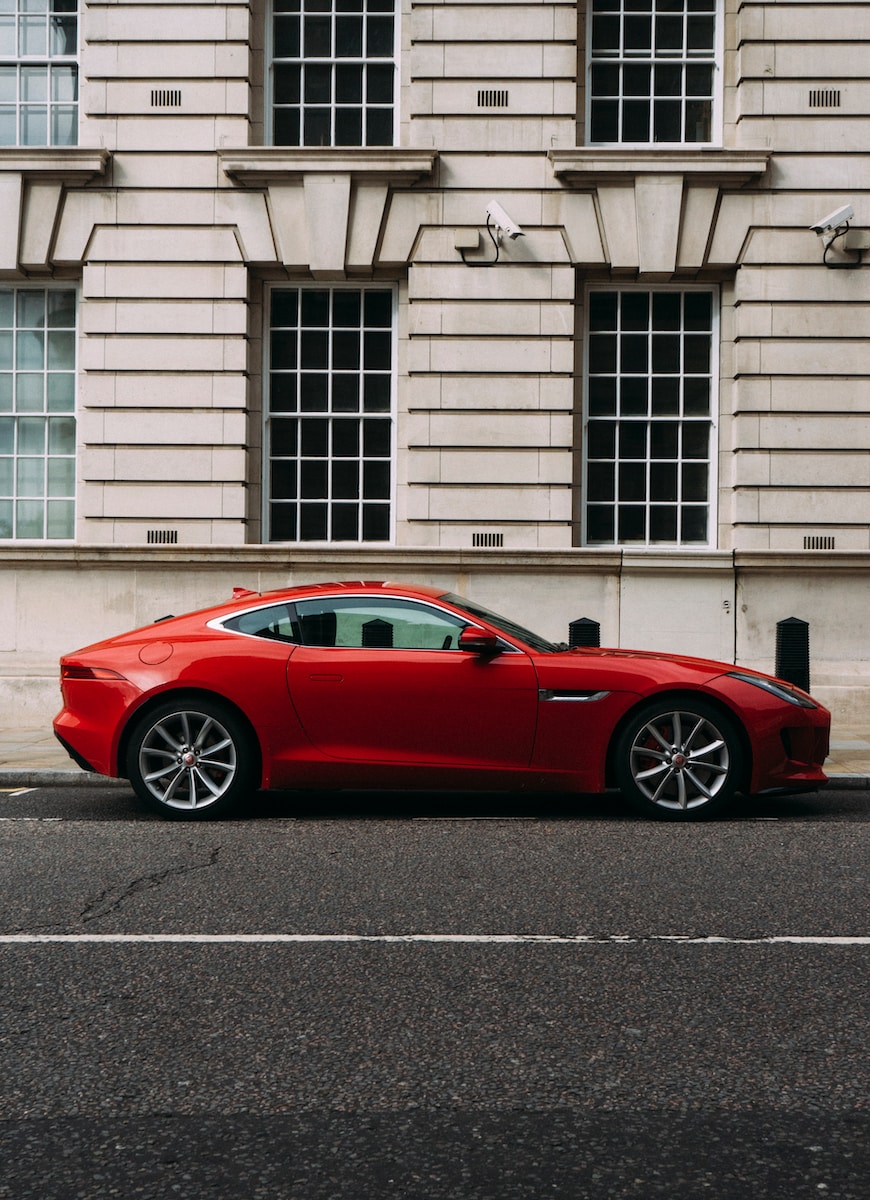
363, 585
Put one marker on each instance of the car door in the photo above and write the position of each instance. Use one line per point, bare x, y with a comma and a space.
381, 679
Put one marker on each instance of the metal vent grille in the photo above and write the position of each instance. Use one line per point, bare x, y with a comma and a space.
166, 97
162, 537
492, 98
819, 541
824, 97
490, 540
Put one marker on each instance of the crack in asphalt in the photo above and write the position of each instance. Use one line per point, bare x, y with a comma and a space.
110, 899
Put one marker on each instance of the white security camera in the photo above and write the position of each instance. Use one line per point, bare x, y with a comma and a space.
834, 221
503, 223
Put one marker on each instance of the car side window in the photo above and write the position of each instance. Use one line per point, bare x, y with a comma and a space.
275, 623
363, 623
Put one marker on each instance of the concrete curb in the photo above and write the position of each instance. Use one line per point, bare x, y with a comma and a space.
15, 777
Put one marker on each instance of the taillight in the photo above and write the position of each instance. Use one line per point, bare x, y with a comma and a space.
74, 671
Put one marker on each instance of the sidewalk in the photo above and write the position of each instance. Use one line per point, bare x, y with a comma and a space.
34, 758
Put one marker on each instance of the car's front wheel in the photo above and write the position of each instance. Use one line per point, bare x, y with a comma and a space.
679, 759
191, 759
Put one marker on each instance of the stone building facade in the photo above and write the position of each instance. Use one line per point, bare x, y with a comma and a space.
259, 325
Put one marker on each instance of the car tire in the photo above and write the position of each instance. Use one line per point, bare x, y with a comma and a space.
191, 759
679, 759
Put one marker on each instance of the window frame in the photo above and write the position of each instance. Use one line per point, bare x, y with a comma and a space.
269, 81
716, 121
15, 413
48, 61
648, 544
391, 414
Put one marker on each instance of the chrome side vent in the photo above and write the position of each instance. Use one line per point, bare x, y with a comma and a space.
162, 537
819, 541
492, 541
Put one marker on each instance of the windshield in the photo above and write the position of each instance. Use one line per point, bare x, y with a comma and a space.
533, 640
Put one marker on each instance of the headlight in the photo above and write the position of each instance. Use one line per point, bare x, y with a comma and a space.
782, 691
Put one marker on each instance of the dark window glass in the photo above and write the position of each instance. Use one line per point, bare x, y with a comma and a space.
284, 350
349, 37
603, 308
314, 479
345, 522
314, 392
641, 50
379, 84
376, 481
658, 468
633, 397
602, 354
348, 127
665, 353
345, 438
345, 480
600, 524
601, 481
663, 523
376, 523
345, 350
632, 523
315, 349
663, 481
288, 84
313, 522
632, 481
318, 84
602, 396
348, 84
378, 309
665, 396
342, 473
345, 393
376, 393
602, 439
379, 127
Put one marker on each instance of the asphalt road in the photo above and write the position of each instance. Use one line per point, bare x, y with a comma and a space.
427, 997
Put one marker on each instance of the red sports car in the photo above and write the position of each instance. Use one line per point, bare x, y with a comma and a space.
375, 685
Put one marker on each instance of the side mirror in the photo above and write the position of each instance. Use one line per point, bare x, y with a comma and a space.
475, 640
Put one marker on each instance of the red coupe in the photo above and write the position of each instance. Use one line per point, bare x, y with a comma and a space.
374, 685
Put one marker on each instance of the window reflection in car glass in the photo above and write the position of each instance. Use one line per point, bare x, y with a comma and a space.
359, 623
275, 623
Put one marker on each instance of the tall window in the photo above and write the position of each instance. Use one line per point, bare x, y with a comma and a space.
37, 412
38, 72
649, 418
329, 421
333, 72
652, 66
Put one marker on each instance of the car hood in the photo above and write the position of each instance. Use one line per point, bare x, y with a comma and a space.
588, 668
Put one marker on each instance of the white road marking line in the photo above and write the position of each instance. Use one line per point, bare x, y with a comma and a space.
507, 939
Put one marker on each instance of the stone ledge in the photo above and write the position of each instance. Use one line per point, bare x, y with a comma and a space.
588, 166
264, 165
69, 163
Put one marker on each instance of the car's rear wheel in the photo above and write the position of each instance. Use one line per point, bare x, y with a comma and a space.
679, 759
191, 759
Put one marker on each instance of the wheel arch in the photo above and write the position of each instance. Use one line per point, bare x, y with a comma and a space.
186, 695
677, 697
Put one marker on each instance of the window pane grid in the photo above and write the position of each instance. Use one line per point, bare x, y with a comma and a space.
37, 413
38, 73
649, 418
329, 420
333, 69
652, 71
